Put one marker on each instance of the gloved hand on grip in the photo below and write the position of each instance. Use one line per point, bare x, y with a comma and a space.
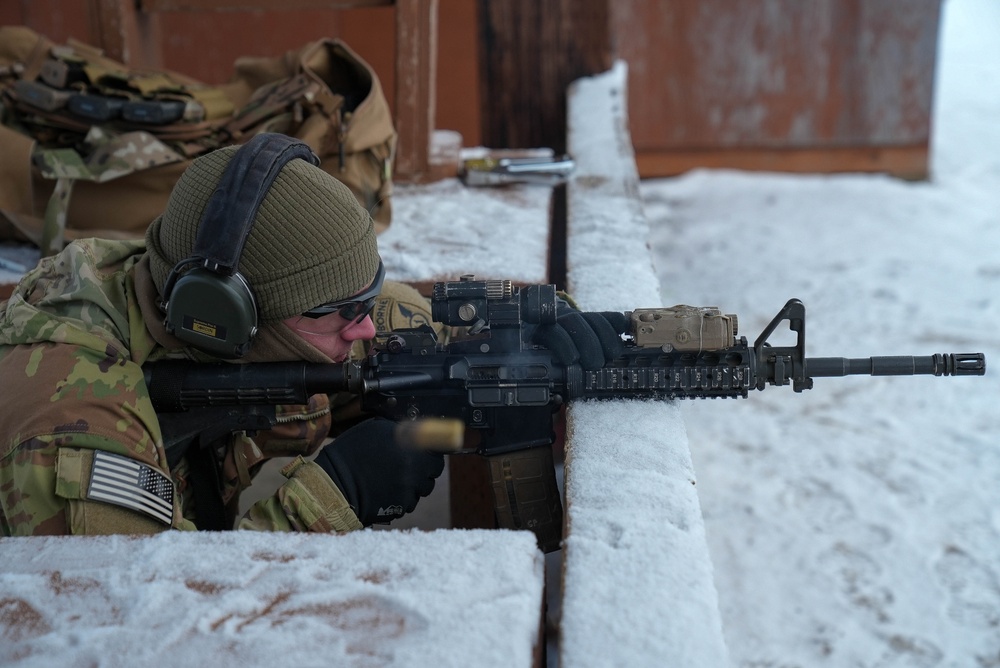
590, 339
381, 479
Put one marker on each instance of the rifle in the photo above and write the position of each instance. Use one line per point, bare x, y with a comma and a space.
505, 389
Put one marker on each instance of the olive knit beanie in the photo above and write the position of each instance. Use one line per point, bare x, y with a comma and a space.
311, 242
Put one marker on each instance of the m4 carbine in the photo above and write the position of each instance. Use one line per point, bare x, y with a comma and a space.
505, 388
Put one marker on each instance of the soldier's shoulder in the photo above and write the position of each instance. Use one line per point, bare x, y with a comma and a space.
75, 395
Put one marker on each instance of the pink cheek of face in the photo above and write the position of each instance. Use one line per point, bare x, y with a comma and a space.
332, 335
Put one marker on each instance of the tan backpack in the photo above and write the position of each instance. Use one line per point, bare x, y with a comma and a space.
90, 148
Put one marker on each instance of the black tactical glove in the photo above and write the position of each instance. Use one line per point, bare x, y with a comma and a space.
381, 479
590, 339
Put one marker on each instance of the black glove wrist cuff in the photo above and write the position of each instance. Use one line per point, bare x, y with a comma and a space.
325, 460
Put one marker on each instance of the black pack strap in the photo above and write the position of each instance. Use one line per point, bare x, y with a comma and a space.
229, 215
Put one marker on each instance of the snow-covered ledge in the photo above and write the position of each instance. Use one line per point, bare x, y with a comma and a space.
241, 598
637, 578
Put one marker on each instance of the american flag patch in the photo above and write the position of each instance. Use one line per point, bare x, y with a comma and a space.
131, 484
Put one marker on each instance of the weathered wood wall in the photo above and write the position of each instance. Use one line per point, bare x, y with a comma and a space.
530, 52
825, 85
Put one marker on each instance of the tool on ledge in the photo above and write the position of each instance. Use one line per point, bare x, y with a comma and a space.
549, 171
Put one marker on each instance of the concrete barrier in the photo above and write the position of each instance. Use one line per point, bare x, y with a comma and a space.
638, 588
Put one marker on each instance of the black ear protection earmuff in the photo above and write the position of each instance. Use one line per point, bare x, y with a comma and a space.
208, 303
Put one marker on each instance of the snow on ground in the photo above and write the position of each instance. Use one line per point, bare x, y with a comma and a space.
247, 598
857, 524
491, 232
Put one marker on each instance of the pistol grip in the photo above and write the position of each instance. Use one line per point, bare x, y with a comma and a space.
525, 494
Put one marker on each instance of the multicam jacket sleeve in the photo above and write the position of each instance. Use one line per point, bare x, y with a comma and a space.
80, 445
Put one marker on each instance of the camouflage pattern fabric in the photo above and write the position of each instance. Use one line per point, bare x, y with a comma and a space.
72, 342
110, 156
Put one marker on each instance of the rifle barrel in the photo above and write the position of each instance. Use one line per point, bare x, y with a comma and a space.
946, 364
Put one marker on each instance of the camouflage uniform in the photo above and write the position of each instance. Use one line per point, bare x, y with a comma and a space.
72, 343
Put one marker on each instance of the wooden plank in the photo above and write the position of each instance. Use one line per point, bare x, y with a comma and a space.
416, 54
125, 34
254, 5
908, 162
458, 105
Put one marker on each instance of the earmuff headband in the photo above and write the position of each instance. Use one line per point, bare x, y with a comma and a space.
229, 216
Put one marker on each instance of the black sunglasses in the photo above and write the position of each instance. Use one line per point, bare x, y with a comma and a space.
358, 306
